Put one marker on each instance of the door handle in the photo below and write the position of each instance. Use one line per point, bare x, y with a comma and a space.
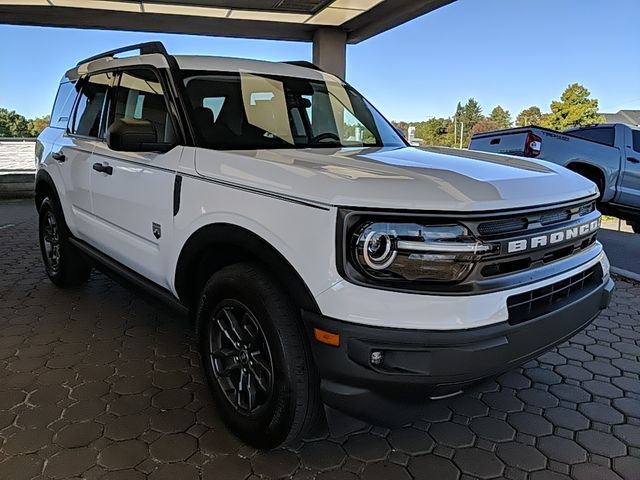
99, 167
633, 160
58, 156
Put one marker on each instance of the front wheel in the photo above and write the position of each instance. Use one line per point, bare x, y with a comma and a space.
64, 264
256, 357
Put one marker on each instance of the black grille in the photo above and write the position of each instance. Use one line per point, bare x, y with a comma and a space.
541, 301
524, 222
502, 226
555, 217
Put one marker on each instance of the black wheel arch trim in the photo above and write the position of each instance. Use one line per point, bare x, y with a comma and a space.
234, 237
43, 177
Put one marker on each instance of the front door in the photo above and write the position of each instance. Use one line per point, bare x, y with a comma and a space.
630, 182
133, 191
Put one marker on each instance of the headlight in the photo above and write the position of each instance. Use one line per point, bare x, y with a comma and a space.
411, 252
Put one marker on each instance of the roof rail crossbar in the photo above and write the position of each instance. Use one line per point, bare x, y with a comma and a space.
305, 64
144, 48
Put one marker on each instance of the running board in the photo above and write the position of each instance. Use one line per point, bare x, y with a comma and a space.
123, 274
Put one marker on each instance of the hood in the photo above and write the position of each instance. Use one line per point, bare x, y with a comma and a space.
398, 178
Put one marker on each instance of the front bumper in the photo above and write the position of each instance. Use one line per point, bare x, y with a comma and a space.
419, 364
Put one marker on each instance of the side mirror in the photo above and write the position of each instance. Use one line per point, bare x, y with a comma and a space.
131, 135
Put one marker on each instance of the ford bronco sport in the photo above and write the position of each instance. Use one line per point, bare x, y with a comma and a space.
332, 270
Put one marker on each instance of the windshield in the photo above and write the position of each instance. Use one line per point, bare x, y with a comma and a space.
234, 111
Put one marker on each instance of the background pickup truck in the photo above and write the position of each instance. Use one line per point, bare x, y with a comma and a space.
607, 154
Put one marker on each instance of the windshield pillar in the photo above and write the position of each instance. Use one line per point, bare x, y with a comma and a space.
330, 51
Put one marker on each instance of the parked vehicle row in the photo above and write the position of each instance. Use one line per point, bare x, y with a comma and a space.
606, 154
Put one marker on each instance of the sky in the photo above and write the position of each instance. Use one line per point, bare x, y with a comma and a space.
513, 53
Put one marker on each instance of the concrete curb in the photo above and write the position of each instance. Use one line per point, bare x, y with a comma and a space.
635, 277
16, 185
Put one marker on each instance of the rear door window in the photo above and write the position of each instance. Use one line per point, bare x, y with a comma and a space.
604, 135
636, 140
140, 96
88, 116
63, 105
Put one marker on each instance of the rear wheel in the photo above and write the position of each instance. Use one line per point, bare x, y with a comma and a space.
65, 265
256, 357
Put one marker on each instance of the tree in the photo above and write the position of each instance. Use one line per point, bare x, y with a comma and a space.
501, 117
13, 124
435, 132
38, 124
470, 113
574, 108
485, 125
529, 116
400, 125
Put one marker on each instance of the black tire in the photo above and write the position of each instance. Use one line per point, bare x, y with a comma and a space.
65, 265
286, 407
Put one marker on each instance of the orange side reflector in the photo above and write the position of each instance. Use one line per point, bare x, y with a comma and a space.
329, 338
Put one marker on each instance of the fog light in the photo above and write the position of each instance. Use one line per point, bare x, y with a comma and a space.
377, 358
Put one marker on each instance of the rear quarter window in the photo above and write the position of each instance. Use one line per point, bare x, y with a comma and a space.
603, 135
63, 105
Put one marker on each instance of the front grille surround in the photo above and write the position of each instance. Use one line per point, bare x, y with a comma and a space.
497, 269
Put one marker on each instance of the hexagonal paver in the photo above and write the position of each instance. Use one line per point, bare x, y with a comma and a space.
521, 456
628, 406
175, 471
479, 463
411, 441
601, 443
173, 447
493, 429
228, 467
27, 441
592, 470
503, 401
69, 463
567, 418
173, 421
367, 447
562, 450
432, 467
78, 434
275, 464
127, 427
21, 467
452, 435
121, 455
599, 412
570, 393
322, 455
530, 424
384, 471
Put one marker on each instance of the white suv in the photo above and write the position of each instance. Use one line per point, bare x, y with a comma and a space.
329, 266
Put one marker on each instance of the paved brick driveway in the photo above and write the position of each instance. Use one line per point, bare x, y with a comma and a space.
97, 383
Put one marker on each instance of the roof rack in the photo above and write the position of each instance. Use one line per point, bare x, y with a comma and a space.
305, 64
144, 48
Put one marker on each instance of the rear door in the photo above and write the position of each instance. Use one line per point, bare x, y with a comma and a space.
133, 204
630, 181
74, 149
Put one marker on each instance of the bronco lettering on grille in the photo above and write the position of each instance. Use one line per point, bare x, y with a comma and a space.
560, 236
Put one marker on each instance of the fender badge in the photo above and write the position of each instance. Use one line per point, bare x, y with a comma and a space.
157, 230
